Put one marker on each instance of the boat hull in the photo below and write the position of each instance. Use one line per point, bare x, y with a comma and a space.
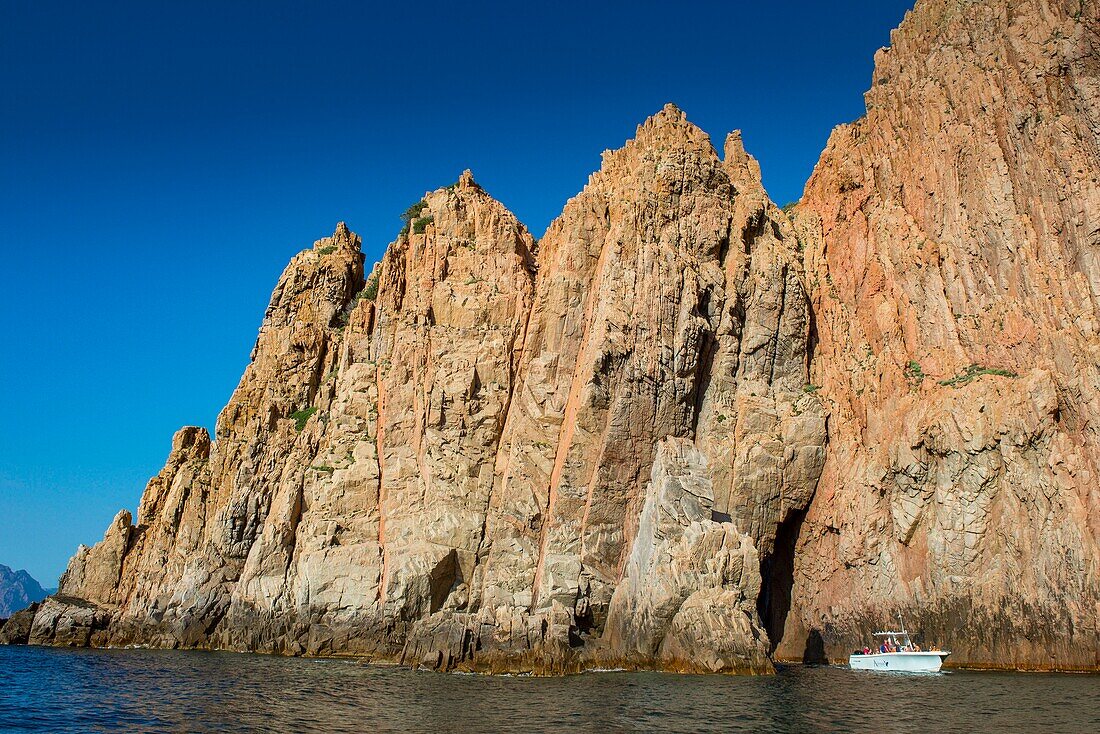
903, 662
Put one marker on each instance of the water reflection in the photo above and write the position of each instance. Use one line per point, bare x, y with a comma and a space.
144, 690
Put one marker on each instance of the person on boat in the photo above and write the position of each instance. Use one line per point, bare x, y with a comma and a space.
882, 648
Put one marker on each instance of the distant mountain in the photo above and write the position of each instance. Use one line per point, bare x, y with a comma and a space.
18, 590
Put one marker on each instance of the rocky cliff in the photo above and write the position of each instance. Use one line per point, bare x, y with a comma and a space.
494, 454
952, 238
681, 430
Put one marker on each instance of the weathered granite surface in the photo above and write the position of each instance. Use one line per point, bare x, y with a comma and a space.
447, 464
954, 228
682, 430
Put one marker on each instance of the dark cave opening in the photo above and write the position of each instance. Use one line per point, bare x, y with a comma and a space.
777, 578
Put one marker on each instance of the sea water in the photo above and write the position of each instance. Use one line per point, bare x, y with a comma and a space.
56, 690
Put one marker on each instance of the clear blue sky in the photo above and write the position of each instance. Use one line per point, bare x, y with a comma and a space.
159, 167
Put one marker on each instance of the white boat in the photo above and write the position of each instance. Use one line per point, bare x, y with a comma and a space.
894, 651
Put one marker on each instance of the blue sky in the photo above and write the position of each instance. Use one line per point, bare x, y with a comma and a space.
159, 167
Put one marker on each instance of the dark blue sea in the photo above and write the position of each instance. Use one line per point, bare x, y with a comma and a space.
51, 690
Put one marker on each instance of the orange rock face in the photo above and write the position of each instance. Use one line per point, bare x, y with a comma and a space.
497, 455
951, 241
682, 430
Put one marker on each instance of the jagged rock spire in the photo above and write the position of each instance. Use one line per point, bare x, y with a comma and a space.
608, 452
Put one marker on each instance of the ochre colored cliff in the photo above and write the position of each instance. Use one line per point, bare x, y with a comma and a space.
682, 430
952, 239
492, 454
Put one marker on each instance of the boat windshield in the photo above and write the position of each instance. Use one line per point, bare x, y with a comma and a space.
895, 641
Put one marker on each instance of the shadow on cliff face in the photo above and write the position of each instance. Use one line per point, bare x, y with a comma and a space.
777, 578
814, 654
